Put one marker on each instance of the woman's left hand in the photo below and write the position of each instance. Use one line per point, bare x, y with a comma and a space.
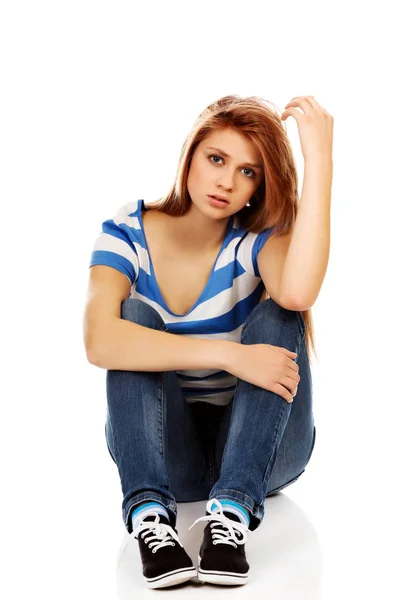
315, 127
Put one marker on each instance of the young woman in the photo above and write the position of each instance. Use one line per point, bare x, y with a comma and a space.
199, 309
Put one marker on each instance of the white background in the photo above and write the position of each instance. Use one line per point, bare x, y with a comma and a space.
96, 100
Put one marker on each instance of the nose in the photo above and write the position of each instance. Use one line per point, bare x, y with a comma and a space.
226, 181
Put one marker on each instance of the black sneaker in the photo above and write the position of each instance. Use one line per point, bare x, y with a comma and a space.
222, 557
164, 561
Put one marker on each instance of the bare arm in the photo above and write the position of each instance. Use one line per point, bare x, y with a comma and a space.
126, 346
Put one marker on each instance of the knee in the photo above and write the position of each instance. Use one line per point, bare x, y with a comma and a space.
138, 311
270, 315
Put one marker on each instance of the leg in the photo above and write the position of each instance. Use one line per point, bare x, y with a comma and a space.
264, 443
151, 433
208, 418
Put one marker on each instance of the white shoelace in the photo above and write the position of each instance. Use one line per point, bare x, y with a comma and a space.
220, 536
162, 533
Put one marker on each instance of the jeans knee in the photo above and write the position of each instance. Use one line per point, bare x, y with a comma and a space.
138, 311
270, 312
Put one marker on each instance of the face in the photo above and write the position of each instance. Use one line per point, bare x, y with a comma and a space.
212, 172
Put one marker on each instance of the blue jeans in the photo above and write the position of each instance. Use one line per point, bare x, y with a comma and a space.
169, 451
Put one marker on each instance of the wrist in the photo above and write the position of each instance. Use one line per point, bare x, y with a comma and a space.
319, 163
230, 352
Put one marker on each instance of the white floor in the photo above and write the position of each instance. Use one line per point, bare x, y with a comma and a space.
283, 553
329, 535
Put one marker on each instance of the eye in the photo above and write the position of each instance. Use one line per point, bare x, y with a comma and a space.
251, 171
245, 169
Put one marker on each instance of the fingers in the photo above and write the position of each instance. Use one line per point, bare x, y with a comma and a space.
291, 383
287, 352
282, 391
292, 365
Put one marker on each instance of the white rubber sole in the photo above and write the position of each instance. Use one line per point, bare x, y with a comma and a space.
172, 578
221, 577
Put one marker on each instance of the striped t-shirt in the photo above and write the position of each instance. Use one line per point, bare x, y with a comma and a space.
233, 289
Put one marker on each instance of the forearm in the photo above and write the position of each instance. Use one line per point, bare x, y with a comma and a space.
307, 258
127, 346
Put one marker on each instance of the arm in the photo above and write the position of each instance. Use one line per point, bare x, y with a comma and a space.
307, 257
128, 346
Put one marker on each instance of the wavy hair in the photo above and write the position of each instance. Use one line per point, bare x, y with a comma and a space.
275, 205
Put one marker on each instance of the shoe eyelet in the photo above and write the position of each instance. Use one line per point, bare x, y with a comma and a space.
214, 542
154, 550
173, 543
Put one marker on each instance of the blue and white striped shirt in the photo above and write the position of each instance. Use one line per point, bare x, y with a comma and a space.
233, 289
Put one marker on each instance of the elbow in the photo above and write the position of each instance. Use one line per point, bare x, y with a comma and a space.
304, 306
301, 305
298, 304
92, 356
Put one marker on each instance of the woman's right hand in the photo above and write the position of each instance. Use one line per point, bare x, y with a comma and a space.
269, 367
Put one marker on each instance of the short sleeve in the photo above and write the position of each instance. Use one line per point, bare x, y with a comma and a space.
114, 247
257, 246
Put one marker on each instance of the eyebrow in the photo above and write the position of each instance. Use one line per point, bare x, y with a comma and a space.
255, 165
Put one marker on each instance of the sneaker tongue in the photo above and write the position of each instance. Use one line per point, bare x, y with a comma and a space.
163, 519
230, 515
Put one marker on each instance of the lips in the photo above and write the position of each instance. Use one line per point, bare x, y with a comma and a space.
218, 198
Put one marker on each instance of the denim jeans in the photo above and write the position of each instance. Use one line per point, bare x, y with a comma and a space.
168, 450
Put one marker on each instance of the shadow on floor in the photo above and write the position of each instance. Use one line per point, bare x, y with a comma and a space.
283, 553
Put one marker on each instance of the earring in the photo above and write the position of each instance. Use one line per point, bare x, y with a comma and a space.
255, 198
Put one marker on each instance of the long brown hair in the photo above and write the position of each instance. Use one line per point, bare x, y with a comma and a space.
274, 205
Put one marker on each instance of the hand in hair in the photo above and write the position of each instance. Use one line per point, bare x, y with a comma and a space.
315, 127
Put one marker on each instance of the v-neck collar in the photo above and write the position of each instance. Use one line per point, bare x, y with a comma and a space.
227, 238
